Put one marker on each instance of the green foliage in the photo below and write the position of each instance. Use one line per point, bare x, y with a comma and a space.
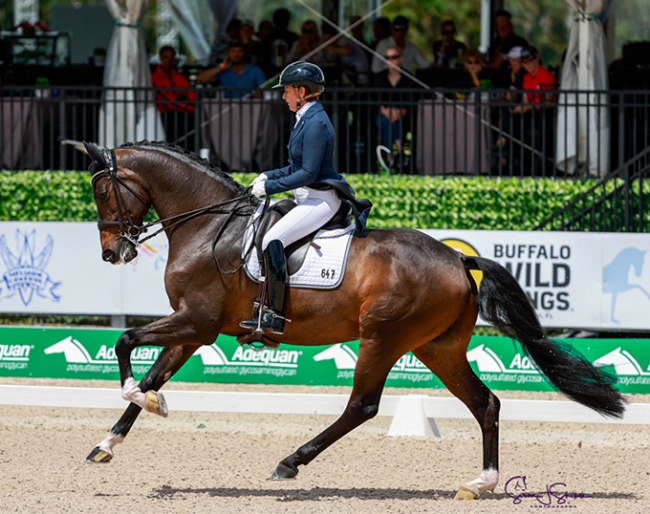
46, 196
399, 201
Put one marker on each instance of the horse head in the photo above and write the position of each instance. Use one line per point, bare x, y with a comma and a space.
122, 203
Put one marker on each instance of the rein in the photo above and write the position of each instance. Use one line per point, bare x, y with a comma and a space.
132, 231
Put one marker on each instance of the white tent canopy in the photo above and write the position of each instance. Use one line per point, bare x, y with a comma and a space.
583, 118
128, 113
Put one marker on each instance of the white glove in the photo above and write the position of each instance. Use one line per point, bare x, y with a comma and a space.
259, 188
260, 178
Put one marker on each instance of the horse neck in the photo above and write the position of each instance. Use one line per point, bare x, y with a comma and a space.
177, 185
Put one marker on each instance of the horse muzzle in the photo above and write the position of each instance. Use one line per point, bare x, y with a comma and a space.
123, 252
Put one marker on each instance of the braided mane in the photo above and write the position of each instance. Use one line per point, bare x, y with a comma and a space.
202, 164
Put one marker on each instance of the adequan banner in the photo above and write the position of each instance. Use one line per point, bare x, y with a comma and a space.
575, 280
89, 354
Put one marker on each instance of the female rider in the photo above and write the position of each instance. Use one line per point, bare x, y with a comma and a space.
311, 159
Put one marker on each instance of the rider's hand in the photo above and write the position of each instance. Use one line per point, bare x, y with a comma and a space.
259, 189
260, 178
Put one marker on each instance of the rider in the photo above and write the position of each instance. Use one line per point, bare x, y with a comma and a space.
311, 158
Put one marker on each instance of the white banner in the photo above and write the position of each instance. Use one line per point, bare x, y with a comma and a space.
575, 280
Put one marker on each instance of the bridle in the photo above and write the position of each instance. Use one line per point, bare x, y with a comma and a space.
130, 230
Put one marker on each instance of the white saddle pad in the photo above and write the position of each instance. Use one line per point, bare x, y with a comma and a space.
323, 268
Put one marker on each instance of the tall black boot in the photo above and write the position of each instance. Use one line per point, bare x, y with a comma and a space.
276, 277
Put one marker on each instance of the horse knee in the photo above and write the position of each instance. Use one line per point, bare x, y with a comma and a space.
124, 345
362, 411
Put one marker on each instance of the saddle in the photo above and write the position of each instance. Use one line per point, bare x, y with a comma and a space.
296, 252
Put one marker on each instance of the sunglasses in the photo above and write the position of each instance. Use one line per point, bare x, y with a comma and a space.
448, 32
399, 29
392, 57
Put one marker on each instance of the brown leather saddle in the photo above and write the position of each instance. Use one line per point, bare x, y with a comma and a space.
297, 252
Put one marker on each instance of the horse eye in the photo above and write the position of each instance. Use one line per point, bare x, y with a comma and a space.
102, 196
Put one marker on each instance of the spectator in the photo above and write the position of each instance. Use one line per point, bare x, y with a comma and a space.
276, 46
410, 53
348, 55
517, 73
309, 40
357, 30
393, 116
504, 40
447, 52
248, 39
537, 77
473, 74
220, 47
532, 121
260, 53
381, 29
234, 72
174, 98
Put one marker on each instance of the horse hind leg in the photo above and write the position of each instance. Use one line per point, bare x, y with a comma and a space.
446, 357
362, 406
168, 363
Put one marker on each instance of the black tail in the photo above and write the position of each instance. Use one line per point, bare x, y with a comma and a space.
503, 303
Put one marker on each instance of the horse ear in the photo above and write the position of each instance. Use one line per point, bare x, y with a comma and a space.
95, 154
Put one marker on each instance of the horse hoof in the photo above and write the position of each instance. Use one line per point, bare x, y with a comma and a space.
465, 494
284, 472
155, 403
99, 456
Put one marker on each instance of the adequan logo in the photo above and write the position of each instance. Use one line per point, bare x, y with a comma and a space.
214, 356
623, 362
25, 273
75, 352
487, 361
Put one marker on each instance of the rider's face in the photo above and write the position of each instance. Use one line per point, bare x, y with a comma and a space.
292, 97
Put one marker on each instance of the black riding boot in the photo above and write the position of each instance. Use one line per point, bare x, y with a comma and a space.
276, 278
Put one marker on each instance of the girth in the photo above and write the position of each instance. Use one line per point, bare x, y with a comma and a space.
297, 252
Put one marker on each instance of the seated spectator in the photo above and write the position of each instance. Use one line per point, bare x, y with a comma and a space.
234, 72
303, 48
394, 120
473, 75
516, 75
504, 40
275, 48
531, 123
349, 57
381, 29
411, 55
174, 98
537, 77
248, 39
447, 52
220, 46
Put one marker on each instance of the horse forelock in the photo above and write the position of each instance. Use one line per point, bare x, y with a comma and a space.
191, 159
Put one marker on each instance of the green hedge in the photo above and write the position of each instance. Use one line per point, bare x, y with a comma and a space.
399, 201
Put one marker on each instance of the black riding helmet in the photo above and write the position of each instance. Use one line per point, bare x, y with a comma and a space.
301, 73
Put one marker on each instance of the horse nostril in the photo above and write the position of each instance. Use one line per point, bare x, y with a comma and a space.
107, 254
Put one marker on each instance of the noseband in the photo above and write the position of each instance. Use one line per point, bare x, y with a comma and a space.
128, 229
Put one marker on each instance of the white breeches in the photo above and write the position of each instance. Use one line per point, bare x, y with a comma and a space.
314, 208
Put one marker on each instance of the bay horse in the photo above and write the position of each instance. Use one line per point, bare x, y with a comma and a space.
403, 291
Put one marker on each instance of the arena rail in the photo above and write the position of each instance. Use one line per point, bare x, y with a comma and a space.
413, 415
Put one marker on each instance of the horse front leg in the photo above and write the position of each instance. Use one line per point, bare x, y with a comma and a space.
370, 374
174, 330
167, 364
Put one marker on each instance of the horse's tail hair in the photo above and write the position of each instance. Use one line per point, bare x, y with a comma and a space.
502, 302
